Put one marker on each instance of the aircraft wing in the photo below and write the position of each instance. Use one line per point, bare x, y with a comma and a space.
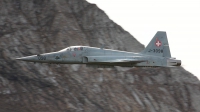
123, 61
112, 59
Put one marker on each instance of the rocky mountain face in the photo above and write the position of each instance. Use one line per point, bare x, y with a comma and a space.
29, 27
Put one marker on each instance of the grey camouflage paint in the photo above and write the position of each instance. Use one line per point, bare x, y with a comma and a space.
156, 54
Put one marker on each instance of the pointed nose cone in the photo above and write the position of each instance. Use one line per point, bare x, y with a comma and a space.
28, 58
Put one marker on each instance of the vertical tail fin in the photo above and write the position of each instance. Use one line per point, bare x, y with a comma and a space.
158, 46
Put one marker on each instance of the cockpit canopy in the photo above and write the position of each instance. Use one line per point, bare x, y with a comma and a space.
73, 48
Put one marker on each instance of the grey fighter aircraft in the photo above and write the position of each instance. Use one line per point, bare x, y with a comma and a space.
156, 54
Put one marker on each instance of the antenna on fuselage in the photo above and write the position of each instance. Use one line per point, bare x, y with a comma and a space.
102, 46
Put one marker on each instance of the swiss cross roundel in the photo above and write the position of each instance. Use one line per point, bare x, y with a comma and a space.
158, 43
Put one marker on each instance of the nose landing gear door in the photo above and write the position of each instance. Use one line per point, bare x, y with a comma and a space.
58, 58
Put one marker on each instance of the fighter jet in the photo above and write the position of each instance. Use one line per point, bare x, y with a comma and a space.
156, 54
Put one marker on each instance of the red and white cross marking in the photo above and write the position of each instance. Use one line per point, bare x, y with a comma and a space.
158, 43
74, 54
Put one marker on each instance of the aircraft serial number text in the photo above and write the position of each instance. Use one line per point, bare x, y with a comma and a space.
41, 58
156, 50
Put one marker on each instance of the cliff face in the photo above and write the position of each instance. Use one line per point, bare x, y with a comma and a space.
30, 27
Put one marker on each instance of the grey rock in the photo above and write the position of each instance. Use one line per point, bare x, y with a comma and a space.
33, 26
138, 99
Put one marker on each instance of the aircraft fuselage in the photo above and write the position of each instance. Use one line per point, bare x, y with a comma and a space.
156, 54
95, 56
